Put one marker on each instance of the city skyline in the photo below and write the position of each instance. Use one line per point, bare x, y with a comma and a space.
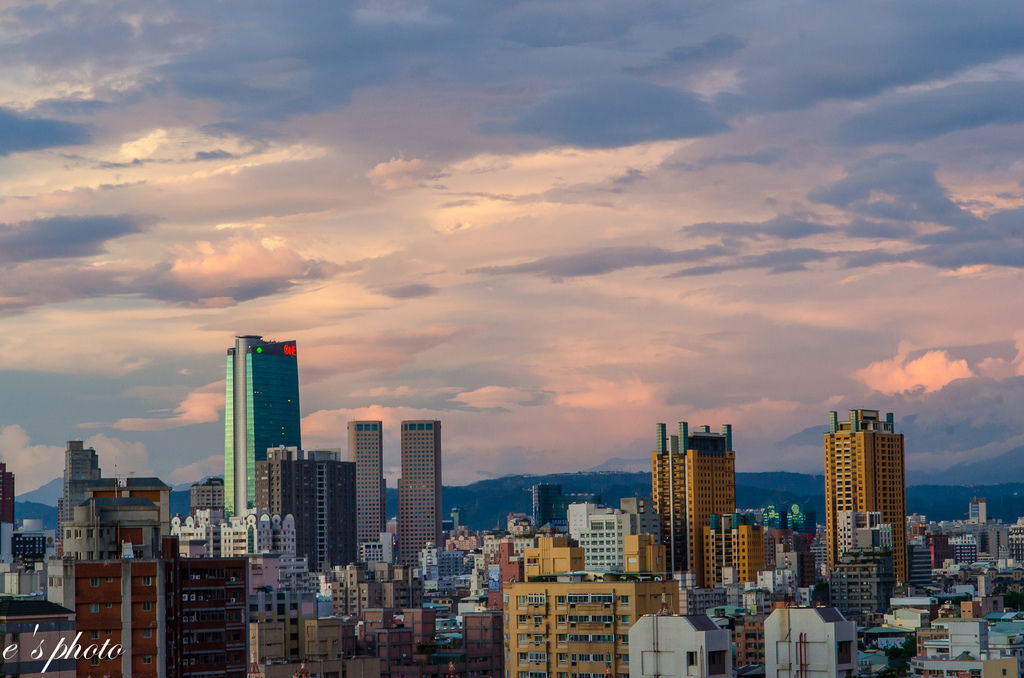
542, 237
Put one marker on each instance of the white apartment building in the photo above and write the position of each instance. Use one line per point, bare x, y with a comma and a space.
253, 532
601, 533
809, 642
666, 646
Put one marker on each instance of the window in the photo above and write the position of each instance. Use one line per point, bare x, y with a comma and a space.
94, 582
95, 635
94, 607
147, 659
147, 581
147, 633
147, 606
691, 658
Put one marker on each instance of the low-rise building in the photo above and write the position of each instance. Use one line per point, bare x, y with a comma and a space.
862, 582
809, 642
666, 646
27, 623
564, 620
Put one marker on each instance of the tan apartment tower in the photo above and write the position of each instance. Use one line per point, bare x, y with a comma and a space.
864, 472
366, 449
693, 475
419, 490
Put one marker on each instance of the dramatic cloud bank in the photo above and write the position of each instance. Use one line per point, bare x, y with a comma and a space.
548, 225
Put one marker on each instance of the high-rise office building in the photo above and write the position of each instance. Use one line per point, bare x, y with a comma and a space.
419, 490
366, 450
693, 475
261, 411
6, 495
81, 470
319, 491
864, 472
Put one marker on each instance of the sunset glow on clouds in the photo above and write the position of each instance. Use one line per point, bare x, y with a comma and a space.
548, 225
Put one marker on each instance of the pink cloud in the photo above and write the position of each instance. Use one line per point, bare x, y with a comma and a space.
201, 406
355, 353
214, 464
237, 269
601, 394
493, 397
401, 173
930, 372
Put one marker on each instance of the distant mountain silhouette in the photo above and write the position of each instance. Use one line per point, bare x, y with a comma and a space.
488, 502
47, 494
1007, 467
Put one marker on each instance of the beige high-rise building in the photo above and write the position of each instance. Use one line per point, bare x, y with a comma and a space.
864, 472
419, 490
693, 475
366, 449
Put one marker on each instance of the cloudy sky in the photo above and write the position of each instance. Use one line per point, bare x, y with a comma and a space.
550, 225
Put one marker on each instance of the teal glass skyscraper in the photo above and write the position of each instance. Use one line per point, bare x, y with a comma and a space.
261, 410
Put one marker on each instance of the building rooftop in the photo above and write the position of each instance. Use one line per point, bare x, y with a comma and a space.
145, 482
26, 607
829, 614
119, 502
701, 622
111, 483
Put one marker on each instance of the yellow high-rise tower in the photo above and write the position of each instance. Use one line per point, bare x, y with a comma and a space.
693, 475
864, 472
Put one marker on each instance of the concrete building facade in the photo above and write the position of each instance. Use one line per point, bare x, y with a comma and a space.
366, 450
669, 646
809, 642
419, 489
319, 491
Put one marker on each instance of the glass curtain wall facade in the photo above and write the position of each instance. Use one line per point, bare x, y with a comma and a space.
261, 411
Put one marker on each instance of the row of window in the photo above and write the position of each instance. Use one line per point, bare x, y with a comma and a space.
147, 606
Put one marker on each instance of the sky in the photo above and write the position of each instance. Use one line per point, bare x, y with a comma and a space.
548, 225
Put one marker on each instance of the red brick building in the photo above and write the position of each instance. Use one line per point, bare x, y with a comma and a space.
119, 600
207, 622
510, 569
173, 617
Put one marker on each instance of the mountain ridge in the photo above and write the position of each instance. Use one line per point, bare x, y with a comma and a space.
488, 502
